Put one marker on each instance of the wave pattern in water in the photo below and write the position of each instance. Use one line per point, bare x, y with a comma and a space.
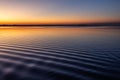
25, 63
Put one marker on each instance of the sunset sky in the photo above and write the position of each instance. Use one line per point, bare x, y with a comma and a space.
59, 11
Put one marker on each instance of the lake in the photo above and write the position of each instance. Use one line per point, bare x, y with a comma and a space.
59, 53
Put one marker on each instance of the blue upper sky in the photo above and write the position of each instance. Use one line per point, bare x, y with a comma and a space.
59, 11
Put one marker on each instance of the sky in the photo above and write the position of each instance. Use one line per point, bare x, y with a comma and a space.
59, 11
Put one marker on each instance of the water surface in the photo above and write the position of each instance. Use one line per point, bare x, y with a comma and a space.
55, 53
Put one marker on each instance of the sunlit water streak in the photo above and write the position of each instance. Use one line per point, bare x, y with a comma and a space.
59, 53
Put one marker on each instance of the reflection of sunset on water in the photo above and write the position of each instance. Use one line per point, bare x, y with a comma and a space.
18, 34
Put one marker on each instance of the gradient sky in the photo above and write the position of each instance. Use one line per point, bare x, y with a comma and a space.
59, 11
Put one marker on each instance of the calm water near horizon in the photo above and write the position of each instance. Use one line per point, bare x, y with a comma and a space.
43, 53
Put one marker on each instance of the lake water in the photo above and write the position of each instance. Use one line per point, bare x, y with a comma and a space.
59, 53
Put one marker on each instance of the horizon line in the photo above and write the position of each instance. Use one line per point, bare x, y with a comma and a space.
67, 24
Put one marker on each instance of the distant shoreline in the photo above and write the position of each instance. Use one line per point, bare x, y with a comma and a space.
77, 25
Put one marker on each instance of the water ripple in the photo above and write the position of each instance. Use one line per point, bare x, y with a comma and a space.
27, 63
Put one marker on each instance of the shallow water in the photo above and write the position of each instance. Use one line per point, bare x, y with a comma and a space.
56, 53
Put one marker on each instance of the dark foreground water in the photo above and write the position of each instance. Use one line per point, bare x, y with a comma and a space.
60, 53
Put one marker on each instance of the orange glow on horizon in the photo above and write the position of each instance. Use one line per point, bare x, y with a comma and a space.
17, 17
12, 18
52, 22
57, 12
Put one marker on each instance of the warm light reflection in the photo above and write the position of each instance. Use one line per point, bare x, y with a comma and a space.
11, 33
22, 32
42, 30
17, 35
